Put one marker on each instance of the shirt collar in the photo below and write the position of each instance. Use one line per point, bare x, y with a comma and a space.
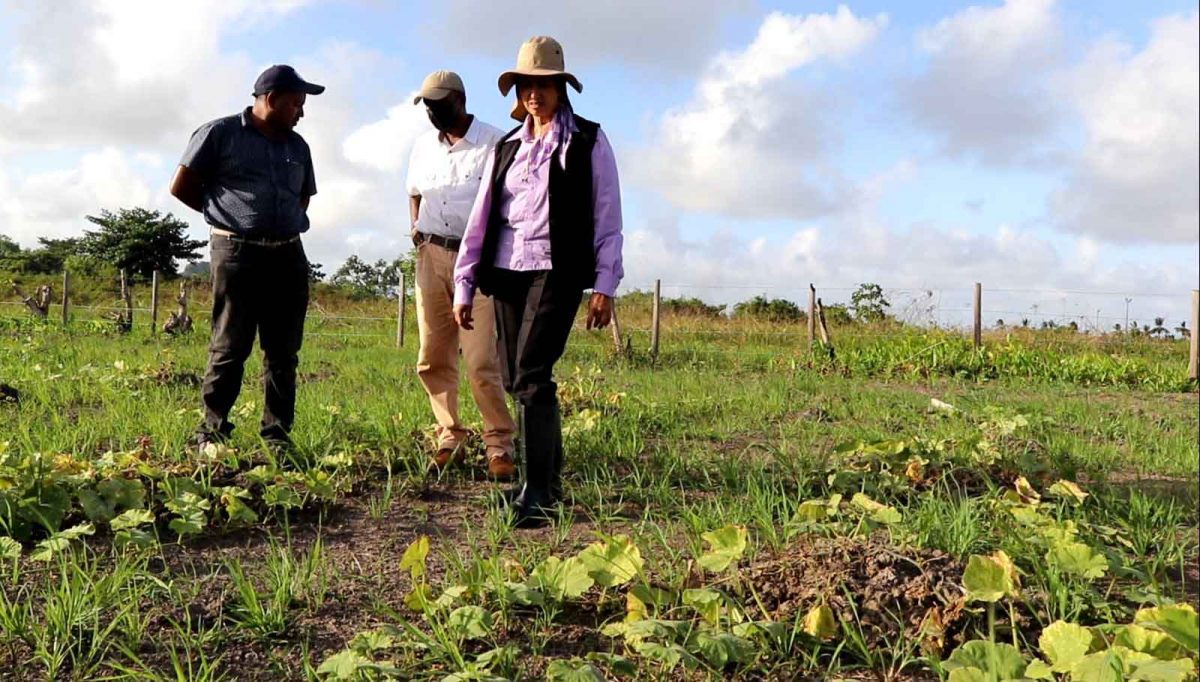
527, 129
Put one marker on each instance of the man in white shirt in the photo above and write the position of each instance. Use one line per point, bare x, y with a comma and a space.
444, 172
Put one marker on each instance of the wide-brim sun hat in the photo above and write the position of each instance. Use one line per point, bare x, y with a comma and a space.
538, 56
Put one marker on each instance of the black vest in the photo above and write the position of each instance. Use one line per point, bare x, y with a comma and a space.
572, 210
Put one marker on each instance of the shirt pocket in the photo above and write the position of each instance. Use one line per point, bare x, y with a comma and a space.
295, 177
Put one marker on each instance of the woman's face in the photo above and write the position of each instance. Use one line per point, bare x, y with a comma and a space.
539, 95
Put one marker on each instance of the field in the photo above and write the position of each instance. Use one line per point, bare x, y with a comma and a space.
740, 507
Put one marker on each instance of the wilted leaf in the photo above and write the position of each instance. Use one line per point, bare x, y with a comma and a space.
1065, 644
878, 512
820, 623
1069, 491
1026, 492
613, 562
725, 546
414, 557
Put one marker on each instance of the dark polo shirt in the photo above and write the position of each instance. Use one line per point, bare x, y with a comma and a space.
253, 184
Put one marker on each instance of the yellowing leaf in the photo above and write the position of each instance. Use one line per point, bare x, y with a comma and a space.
613, 562
820, 624
878, 512
987, 580
414, 557
1026, 492
725, 546
1078, 559
562, 579
1068, 491
1065, 645
1179, 621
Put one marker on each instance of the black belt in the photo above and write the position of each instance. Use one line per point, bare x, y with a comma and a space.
437, 240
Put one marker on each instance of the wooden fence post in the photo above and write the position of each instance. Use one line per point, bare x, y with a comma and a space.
1194, 345
400, 294
978, 314
154, 302
616, 328
66, 294
655, 313
812, 314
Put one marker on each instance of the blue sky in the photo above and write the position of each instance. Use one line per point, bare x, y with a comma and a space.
1029, 144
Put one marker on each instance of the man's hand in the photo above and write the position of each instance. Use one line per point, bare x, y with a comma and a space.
600, 309
462, 315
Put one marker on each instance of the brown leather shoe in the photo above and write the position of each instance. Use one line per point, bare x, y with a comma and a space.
447, 457
500, 465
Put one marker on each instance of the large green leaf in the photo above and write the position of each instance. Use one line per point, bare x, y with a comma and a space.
613, 562
725, 547
721, 649
1179, 621
1154, 642
1102, 666
999, 660
1156, 670
707, 603
470, 622
344, 665
562, 579
1078, 559
987, 579
53, 545
574, 670
1065, 644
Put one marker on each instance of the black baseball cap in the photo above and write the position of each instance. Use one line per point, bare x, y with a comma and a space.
284, 78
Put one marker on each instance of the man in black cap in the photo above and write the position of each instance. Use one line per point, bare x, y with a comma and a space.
252, 177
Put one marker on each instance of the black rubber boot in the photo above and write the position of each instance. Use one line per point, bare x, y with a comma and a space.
542, 430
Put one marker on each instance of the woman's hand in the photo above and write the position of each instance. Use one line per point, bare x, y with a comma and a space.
462, 315
600, 309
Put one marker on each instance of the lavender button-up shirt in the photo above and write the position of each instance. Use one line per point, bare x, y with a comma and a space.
524, 240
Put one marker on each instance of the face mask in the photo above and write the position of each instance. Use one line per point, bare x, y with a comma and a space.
442, 117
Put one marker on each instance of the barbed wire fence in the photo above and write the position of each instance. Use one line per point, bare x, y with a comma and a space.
654, 315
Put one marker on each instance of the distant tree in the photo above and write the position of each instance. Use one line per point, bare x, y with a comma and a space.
838, 315
197, 269
772, 310
1159, 330
868, 304
1000, 323
315, 274
140, 241
47, 259
380, 278
8, 247
1183, 331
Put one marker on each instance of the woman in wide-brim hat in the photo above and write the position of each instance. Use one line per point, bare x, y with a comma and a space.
546, 226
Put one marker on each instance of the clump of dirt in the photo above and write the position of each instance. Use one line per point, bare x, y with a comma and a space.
167, 375
888, 591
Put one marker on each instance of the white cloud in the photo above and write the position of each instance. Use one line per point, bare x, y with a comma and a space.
1138, 178
654, 34
750, 142
987, 89
125, 71
385, 144
927, 269
54, 203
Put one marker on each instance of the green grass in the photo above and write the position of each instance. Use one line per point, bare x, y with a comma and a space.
736, 423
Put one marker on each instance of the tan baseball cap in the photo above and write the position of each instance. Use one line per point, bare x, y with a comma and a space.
439, 84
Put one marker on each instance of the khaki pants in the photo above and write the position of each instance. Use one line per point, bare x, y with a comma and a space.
437, 361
